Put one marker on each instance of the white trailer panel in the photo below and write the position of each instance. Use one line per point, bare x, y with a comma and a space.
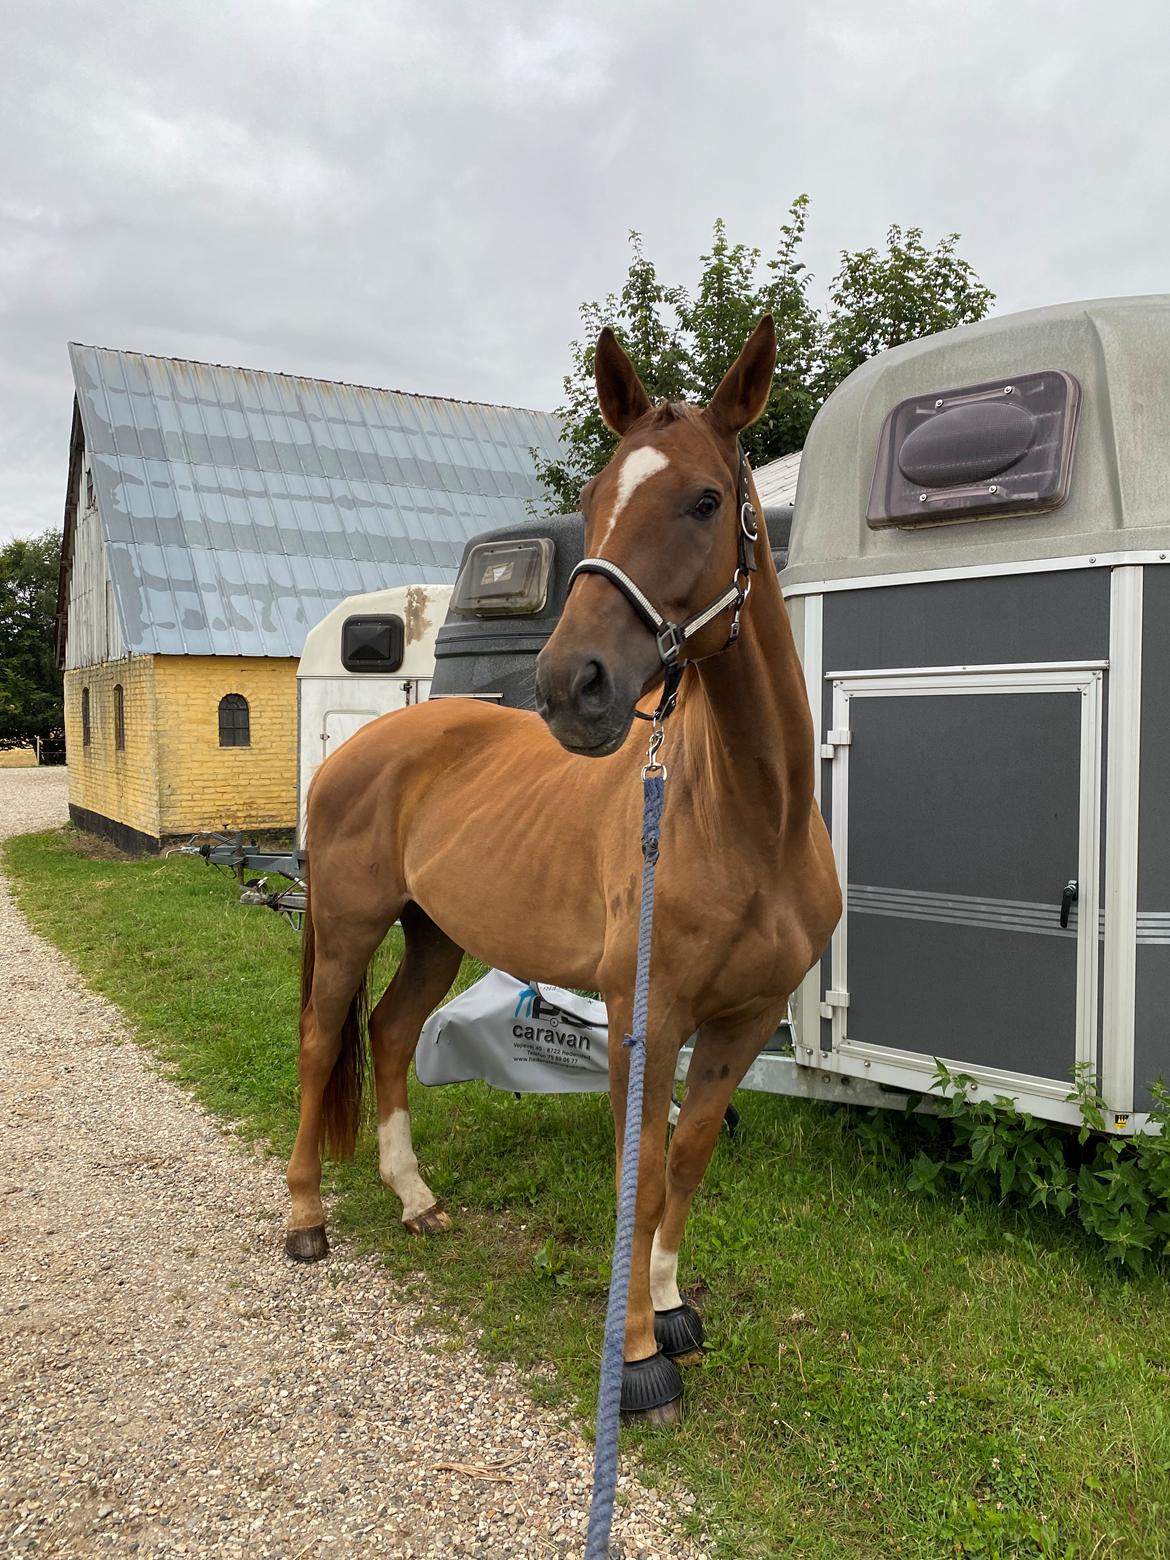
334, 699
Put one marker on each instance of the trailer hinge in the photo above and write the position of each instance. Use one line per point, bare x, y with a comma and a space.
834, 740
834, 999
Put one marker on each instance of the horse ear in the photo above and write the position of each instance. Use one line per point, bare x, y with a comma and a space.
619, 390
747, 384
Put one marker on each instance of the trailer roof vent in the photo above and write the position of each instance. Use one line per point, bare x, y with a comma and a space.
997, 449
505, 579
373, 644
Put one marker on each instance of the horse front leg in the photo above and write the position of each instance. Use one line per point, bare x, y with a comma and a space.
651, 1385
724, 1050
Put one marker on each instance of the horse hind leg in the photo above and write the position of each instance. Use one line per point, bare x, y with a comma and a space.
330, 1068
429, 965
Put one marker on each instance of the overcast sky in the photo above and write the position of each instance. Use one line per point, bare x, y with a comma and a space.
420, 195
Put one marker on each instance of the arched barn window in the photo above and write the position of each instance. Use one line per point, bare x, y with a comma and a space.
86, 728
234, 726
119, 718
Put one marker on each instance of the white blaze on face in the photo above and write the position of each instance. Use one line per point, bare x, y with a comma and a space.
637, 466
399, 1168
663, 1277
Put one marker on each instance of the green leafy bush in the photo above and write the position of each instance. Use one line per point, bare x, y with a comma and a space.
1118, 1187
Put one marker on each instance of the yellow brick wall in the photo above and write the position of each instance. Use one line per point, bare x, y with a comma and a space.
123, 785
18, 758
203, 787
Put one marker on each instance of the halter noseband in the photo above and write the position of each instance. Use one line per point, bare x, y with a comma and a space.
670, 637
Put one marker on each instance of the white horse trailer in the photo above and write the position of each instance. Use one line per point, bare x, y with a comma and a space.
979, 584
373, 653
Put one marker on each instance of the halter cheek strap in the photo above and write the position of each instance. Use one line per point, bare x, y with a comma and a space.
671, 638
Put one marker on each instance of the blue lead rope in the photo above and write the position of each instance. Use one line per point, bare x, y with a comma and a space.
605, 1455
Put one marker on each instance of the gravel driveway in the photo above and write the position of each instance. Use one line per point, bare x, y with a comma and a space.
170, 1385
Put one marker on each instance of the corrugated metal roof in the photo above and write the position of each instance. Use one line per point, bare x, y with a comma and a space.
238, 507
776, 482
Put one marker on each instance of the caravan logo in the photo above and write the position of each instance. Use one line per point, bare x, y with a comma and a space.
528, 1004
561, 1031
531, 1004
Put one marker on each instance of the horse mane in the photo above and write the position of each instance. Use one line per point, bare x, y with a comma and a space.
665, 413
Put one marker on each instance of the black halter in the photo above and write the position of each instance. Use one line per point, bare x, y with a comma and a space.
670, 637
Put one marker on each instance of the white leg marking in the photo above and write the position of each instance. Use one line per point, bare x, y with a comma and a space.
663, 1277
637, 466
398, 1166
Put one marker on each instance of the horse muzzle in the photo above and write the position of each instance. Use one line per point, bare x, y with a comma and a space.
585, 704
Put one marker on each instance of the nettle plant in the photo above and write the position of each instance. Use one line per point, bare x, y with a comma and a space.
1118, 1187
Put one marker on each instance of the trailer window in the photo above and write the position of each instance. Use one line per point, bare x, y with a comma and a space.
505, 579
1003, 448
373, 644
235, 727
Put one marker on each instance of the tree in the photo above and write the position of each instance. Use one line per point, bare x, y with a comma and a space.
30, 684
879, 301
683, 345
794, 402
726, 308
645, 313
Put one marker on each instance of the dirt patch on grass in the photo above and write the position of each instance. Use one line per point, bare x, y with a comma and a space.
91, 846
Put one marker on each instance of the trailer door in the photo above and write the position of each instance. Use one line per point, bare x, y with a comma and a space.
966, 815
340, 722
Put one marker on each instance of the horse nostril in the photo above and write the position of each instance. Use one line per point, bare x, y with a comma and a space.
591, 690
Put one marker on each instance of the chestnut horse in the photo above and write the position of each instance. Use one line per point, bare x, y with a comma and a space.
517, 837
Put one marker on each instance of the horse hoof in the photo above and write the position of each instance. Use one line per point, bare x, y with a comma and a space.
307, 1245
679, 1333
664, 1418
433, 1221
651, 1391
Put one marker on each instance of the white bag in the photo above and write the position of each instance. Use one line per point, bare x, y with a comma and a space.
529, 1039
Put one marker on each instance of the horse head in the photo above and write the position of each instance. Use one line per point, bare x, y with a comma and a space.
663, 522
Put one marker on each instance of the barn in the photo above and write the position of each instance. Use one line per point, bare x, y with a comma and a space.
212, 516
776, 482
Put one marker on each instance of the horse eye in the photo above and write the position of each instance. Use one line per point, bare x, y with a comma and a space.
707, 506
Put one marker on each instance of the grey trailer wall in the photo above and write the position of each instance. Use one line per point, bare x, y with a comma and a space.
1152, 1016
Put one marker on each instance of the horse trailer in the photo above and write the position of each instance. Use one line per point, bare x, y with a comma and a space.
979, 584
373, 653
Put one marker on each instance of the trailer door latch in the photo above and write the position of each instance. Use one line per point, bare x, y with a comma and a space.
1067, 900
834, 740
833, 1001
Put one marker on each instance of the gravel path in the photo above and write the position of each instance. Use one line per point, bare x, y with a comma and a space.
170, 1385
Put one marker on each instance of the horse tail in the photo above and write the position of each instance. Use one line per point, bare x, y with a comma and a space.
341, 1102
308, 951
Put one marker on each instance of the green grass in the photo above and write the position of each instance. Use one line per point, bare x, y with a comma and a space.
888, 1375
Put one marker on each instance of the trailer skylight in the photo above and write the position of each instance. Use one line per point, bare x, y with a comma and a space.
373, 644
997, 449
505, 579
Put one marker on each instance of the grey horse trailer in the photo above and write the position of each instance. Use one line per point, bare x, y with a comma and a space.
979, 584
508, 598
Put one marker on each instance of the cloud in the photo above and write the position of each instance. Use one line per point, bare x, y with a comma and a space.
421, 196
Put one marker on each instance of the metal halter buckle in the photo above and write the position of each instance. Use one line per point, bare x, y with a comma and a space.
670, 641
745, 509
745, 590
